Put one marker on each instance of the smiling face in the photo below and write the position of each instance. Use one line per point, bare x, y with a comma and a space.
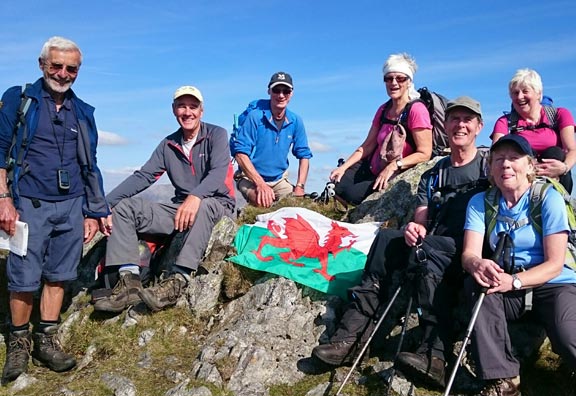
60, 69
397, 85
525, 99
280, 96
188, 111
510, 168
462, 126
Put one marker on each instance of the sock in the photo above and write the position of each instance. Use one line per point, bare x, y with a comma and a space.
44, 324
24, 327
133, 268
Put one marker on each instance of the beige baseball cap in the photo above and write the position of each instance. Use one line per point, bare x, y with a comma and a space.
188, 90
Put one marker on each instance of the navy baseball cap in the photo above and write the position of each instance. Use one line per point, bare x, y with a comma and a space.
516, 140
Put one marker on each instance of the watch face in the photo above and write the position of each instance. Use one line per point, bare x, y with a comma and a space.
516, 284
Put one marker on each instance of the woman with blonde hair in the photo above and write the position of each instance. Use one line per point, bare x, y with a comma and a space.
549, 130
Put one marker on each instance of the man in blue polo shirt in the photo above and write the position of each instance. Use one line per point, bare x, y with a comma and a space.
56, 188
261, 147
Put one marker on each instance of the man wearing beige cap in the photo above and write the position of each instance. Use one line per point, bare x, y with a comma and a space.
262, 144
196, 159
427, 250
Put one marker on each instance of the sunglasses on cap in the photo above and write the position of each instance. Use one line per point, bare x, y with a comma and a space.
399, 79
285, 91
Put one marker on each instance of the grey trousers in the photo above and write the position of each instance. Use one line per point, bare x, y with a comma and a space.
554, 307
134, 216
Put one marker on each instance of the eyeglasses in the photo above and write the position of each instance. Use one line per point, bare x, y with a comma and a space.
420, 253
56, 67
399, 79
278, 90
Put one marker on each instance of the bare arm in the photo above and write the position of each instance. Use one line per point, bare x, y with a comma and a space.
303, 167
555, 168
365, 149
264, 193
8, 213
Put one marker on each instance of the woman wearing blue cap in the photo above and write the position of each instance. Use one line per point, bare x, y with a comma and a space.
531, 274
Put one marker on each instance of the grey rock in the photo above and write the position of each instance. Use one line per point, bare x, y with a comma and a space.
88, 357
121, 385
145, 337
203, 292
145, 360
174, 376
23, 381
319, 390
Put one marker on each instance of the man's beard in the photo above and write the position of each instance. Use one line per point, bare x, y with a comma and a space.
58, 88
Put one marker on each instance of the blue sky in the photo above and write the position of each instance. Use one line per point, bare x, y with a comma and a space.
136, 53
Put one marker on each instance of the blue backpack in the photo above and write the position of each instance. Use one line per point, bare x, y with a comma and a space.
239, 120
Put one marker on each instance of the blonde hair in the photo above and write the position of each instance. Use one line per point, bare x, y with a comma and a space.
527, 78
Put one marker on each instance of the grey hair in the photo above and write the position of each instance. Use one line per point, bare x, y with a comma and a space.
59, 43
527, 78
402, 57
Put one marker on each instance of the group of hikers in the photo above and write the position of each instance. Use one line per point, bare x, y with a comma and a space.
49, 179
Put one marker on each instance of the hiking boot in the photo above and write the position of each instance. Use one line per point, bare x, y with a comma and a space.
166, 293
500, 387
17, 355
48, 351
338, 353
124, 294
419, 366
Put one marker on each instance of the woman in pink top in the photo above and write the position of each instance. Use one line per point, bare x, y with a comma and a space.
551, 139
364, 171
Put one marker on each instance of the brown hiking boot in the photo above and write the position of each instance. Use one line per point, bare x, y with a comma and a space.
338, 353
500, 387
419, 366
17, 355
124, 294
48, 351
166, 293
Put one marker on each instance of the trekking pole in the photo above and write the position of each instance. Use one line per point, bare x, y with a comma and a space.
475, 312
400, 342
380, 320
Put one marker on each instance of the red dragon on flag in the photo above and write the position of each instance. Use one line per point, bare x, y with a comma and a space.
302, 240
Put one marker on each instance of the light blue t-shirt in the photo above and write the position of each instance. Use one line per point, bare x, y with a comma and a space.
528, 243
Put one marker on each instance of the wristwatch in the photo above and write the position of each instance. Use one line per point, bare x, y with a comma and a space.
399, 164
516, 282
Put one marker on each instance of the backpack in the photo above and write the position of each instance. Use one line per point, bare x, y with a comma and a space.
513, 117
439, 194
239, 120
21, 117
436, 105
540, 186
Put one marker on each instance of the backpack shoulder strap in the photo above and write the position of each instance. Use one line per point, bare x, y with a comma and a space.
512, 118
552, 115
436, 179
21, 115
491, 200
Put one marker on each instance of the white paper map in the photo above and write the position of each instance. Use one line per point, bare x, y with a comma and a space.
17, 244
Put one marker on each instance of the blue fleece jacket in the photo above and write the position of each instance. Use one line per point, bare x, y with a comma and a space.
268, 147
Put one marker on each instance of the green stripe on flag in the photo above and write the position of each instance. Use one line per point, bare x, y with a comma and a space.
346, 267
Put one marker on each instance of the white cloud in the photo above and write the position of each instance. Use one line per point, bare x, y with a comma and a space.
320, 147
110, 139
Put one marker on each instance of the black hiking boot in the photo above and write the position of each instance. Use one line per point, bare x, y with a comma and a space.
429, 370
166, 293
338, 353
124, 294
48, 351
17, 355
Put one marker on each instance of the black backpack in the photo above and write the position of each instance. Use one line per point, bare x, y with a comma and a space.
551, 112
436, 105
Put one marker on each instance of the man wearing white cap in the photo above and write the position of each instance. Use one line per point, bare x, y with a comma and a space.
196, 159
262, 144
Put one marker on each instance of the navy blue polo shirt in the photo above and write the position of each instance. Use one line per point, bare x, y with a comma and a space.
53, 147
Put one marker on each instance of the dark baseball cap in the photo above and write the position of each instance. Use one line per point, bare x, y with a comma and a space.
280, 78
466, 102
516, 140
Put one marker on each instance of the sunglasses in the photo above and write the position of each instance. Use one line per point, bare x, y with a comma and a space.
420, 253
278, 90
56, 67
399, 79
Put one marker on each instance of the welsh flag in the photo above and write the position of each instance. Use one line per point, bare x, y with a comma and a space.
306, 247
